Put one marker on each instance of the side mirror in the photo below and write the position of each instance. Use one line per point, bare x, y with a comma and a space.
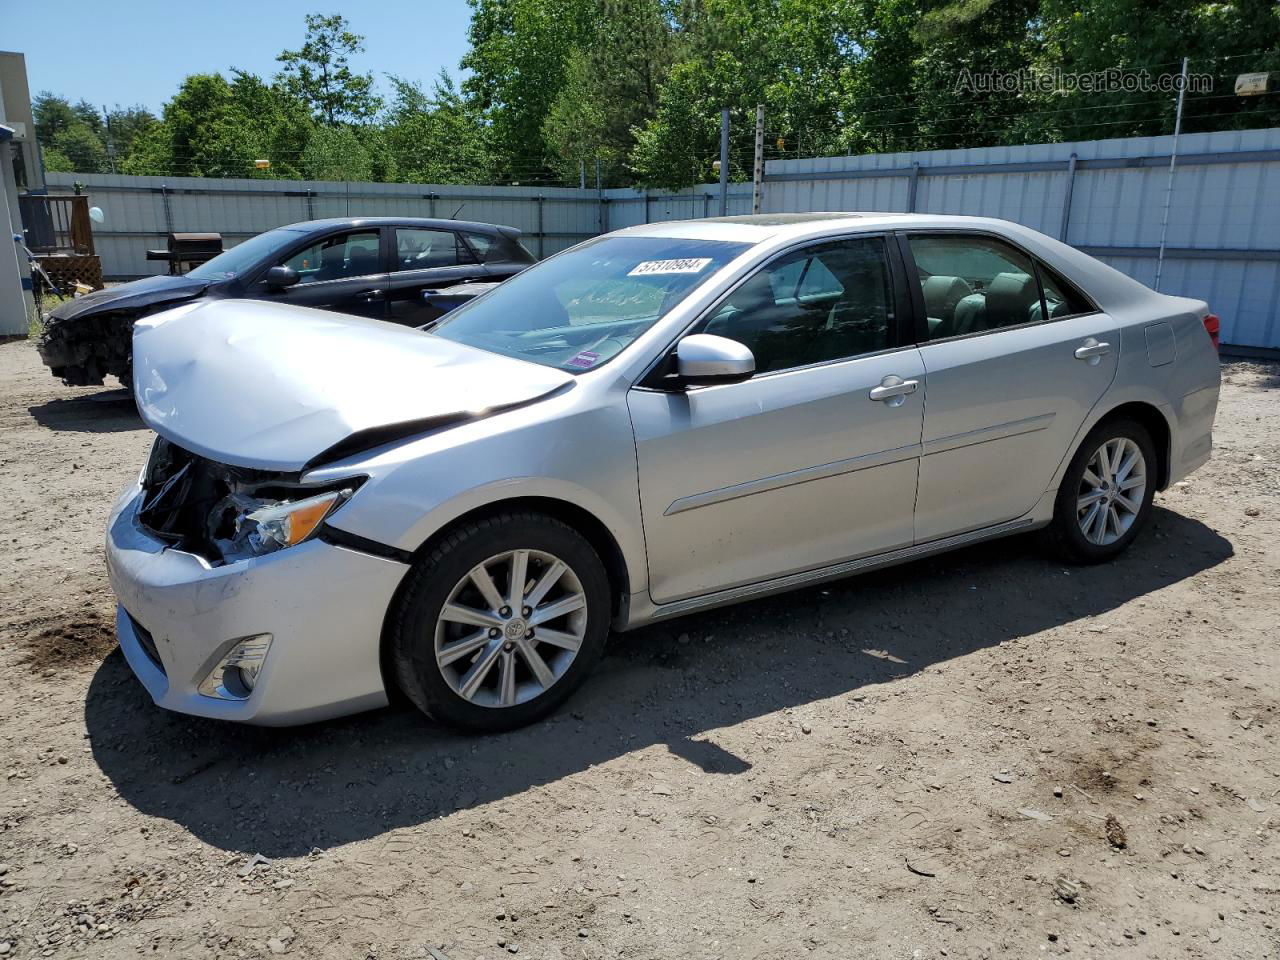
282, 277
703, 359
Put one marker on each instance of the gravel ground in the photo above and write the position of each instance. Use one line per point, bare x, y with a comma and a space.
981, 755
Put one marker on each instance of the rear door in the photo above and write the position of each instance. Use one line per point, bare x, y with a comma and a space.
1015, 358
427, 259
343, 271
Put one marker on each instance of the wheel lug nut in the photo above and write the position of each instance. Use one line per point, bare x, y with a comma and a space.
508, 647
526, 611
494, 631
530, 633
505, 612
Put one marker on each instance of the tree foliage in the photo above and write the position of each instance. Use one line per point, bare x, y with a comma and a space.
320, 72
555, 86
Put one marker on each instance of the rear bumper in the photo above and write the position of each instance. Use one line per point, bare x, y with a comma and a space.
178, 617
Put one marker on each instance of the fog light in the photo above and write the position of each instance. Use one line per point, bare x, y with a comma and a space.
236, 674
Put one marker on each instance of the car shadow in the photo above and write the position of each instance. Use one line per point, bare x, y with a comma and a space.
110, 411
285, 792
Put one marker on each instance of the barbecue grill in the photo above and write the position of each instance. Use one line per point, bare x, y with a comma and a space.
186, 249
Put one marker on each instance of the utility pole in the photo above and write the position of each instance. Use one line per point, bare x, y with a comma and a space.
582, 174
757, 177
724, 162
1173, 160
111, 147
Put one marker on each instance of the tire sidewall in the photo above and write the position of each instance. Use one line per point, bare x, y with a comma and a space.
433, 579
1068, 532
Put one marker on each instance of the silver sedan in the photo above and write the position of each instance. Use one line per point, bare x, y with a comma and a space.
660, 420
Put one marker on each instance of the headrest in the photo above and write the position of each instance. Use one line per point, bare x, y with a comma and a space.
1010, 297
941, 294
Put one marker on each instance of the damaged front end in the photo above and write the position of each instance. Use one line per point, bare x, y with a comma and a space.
86, 338
224, 513
82, 350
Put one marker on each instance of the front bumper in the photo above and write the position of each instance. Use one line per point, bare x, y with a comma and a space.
323, 605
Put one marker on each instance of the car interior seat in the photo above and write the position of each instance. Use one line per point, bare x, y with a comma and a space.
362, 260
941, 296
1010, 299
333, 262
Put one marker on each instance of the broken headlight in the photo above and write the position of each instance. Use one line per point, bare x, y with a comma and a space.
253, 524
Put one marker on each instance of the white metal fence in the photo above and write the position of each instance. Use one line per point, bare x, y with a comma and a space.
1106, 197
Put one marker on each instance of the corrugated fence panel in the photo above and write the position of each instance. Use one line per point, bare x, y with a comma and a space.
141, 211
1117, 205
1223, 239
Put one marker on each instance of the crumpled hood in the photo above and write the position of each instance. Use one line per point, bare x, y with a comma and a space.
276, 387
130, 296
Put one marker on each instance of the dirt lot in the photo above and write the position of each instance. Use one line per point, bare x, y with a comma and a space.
981, 755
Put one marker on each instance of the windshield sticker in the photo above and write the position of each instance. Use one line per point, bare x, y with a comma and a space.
584, 359
649, 268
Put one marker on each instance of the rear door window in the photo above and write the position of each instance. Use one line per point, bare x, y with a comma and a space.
974, 283
1061, 297
419, 249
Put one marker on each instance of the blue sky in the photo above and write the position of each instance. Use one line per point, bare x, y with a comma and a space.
137, 51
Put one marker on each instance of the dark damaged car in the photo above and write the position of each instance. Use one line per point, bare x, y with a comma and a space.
383, 268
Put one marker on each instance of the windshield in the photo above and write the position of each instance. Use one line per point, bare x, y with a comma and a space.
582, 307
233, 262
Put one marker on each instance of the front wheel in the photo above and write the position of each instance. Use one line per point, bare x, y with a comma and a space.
1106, 493
500, 622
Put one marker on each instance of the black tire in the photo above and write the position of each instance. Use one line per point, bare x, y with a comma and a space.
1065, 534
411, 638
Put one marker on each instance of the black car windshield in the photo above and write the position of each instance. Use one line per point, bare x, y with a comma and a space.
582, 307
243, 256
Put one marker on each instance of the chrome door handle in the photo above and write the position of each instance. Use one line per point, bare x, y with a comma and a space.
893, 389
369, 296
1091, 349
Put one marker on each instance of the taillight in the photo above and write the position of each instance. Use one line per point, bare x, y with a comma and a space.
1211, 326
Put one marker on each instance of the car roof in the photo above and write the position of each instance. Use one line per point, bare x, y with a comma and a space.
756, 228
426, 223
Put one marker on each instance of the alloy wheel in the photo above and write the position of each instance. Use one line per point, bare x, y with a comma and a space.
511, 628
1112, 491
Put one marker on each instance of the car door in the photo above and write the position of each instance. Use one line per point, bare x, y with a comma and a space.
342, 271
427, 259
811, 461
1015, 358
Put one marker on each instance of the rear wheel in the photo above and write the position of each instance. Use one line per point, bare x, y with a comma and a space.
1106, 493
500, 622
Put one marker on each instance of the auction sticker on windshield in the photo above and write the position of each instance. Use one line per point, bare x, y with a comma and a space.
650, 268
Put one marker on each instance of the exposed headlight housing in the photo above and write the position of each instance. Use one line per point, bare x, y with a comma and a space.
247, 525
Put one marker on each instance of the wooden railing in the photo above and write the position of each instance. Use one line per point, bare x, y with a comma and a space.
57, 224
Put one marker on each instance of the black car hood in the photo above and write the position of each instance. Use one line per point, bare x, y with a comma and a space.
131, 296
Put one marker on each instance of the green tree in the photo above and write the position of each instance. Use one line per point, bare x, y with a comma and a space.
52, 115
214, 127
518, 62
125, 125
790, 55
320, 72
80, 147
611, 85
437, 137
1221, 40
336, 153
